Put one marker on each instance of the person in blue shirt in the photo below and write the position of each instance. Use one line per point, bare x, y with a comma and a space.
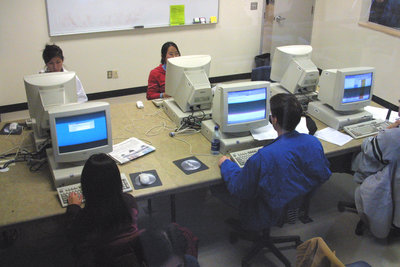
280, 172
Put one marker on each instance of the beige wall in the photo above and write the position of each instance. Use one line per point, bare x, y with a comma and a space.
232, 43
338, 41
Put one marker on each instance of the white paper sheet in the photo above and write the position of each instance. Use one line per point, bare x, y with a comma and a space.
264, 133
130, 149
380, 113
333, 136
268, 132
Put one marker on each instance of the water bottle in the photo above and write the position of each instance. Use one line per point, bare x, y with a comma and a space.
215, 143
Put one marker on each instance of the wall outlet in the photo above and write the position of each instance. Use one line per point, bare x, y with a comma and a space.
115, 74
109, 74
253, 6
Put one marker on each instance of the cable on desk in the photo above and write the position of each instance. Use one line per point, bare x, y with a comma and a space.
190, 149
189, 125
192, 121
155, 130
34, 159
36, 165
158, 129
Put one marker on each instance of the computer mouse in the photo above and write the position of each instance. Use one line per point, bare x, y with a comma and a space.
146, 178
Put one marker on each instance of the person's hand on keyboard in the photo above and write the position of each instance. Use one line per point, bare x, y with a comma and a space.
395, 124
75, 198
222, 159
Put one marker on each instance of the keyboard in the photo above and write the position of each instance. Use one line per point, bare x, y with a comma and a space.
158, 101
240, 157
367, 128
65, 191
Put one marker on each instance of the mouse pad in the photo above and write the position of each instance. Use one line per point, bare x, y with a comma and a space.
136, 183
5, 130
190, 165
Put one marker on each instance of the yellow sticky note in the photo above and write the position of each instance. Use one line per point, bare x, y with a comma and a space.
177, 15
213, 19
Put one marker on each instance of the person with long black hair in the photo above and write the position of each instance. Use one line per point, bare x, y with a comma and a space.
108, 214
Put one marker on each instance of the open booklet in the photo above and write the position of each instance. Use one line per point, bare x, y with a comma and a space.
130, 149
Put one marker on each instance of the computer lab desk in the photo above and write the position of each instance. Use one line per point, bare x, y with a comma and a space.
28, 196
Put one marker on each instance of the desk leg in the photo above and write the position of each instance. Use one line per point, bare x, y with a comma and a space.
173, 209
149, 207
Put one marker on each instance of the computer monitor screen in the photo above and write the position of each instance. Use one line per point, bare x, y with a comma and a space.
46, 90
293, 69
240, 107
347, 89
187, 82
80, 130
357, 87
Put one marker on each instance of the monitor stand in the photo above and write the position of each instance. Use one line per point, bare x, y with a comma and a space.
177, 115
334, 119
64, 173
231, 142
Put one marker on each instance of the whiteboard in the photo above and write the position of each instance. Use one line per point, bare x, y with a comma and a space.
84, 16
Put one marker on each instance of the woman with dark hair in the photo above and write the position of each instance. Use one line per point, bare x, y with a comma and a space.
156, 83
108, 215
53, 58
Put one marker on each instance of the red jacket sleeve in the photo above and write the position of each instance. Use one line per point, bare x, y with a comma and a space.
156, 83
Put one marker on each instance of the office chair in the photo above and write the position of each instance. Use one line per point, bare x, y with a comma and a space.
264, 239
122, 251
261, 73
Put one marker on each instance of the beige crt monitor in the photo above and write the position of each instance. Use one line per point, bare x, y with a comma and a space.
44, 91
78, 130
237, 109
343, 94
293, 69
187, 82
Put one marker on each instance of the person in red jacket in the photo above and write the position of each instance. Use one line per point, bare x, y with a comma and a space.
156, 83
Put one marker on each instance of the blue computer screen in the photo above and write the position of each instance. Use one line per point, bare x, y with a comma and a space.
357, 87
247, 106
81, 132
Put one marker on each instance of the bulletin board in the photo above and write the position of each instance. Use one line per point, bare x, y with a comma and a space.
85, 16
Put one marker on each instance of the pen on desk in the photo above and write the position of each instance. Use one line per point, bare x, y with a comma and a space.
138, 27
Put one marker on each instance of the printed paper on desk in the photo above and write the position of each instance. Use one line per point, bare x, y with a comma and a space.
264, 133
129, 150
377, 113
333, 136
268, 132
381, 113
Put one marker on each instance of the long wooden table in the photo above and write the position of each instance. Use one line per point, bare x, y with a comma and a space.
27, 196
